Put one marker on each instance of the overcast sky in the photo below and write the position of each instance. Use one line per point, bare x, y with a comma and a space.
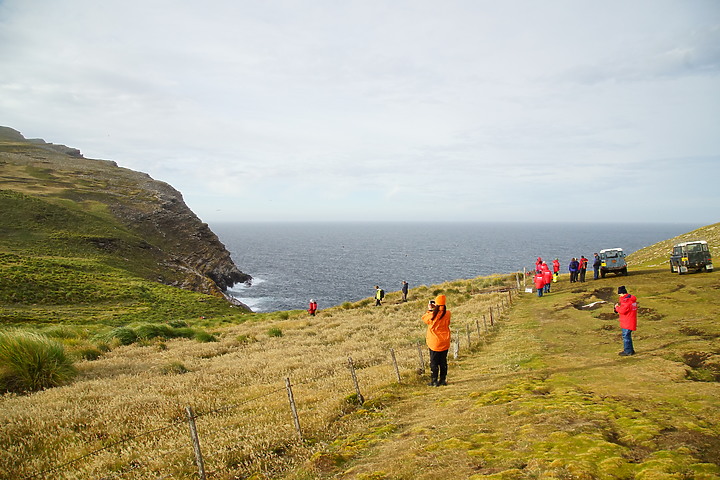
383, 110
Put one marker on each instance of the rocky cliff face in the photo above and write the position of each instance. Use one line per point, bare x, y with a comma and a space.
153, 209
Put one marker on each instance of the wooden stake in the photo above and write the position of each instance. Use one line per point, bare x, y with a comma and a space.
394, 360
196, 443
360, 398
421, 370
293, 408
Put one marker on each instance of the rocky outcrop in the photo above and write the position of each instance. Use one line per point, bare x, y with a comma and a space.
154, 210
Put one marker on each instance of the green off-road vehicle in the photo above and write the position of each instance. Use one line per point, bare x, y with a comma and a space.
612, 260
688, 256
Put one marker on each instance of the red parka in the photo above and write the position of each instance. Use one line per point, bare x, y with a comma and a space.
547, 276
539, 280
627, 308
556, 265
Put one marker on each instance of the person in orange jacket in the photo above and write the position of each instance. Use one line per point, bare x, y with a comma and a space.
437, 338
627, 307
312, 307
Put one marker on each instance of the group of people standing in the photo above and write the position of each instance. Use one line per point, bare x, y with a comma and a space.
544, 277
576, 267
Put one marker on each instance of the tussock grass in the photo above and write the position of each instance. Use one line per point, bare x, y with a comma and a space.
235, 385
30, 362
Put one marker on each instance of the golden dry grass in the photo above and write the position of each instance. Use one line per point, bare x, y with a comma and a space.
124, 415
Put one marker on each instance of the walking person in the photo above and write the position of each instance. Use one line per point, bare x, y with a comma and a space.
379, 295
596, 267
312, 307
437, 338
556, 270
404, 291
627, 307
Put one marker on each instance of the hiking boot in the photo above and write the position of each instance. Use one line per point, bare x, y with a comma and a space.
433, 383
441, 383
626, 354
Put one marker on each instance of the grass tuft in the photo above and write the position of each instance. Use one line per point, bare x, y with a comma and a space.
30, 362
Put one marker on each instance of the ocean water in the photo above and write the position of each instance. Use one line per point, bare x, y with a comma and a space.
335, 263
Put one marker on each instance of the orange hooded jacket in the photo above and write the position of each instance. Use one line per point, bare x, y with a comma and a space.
438, 329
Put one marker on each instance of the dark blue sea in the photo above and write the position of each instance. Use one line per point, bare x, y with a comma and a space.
335, 263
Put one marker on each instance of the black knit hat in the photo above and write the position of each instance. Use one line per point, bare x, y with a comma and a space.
622, 290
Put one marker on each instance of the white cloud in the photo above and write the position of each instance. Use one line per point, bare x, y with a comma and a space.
377, 110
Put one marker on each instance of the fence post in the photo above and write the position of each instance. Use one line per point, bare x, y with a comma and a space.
456, 348
293, 408
355, 381
467, 331
492, 321
421, 370
477, 327
394, 360
485, 324
510, 299
196, 443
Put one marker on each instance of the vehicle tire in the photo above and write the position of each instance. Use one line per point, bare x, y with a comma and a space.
625, 272
602, 274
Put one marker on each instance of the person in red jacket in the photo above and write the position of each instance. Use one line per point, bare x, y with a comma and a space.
556, 269
437, 338
539, 283
627, 308
547, 277
312, 308
583, 268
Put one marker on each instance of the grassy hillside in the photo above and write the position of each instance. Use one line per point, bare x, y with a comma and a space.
659, 253
72, 267
541, 395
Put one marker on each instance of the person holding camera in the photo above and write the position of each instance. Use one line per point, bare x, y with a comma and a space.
437, 338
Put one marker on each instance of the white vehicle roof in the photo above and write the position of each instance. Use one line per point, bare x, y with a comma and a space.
610, 250
703, 242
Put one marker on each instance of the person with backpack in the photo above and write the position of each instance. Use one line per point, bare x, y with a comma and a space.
312, 307
437, 338
574, 268
379, 295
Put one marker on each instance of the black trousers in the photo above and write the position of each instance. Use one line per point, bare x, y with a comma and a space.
438, 364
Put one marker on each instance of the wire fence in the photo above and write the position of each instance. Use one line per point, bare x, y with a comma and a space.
407, 360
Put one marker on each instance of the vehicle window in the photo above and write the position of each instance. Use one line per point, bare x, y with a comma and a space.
694, 247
